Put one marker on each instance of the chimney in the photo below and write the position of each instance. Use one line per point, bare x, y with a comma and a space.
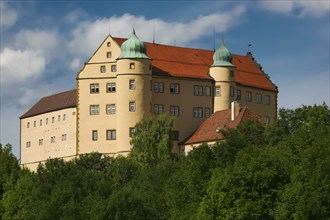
234, 110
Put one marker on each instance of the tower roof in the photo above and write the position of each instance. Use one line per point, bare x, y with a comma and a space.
222, 56
133, 47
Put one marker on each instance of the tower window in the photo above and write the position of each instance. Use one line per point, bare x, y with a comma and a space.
102, 69
158, 87
259, 98
113, 68
175, 88
94, 135
108, 54
131, 84
198, 112
111, 109
132, 106
217, 91
238, 94
207, 90
232, 91
198, 90
158, 109
111, 87
94, 109
132, 66
248, 96
94, 88
207, 112
111, 134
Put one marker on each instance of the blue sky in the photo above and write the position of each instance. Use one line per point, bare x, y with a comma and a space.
45, 43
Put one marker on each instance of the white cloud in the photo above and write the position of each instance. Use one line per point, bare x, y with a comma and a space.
89, 34
75, 16
311, 8
75, 64
19, 65
8, 16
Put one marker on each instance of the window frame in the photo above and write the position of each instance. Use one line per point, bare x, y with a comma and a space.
131, 84
267, 100
232, 91
103, 69
207, 112
198, 90
158, 87
132, 106
94, 88
109, 54
217, 91
248, 96
174, 88
174, 110
94, 109
207, 90
258, 98
238, 94
111, 134
158, 109
110, 109
111, 87
94, 135
198, 112
131, 132
113, 68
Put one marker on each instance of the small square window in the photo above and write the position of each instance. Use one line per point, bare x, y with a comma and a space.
108, 44
102, 69
94, 109
132, 66
111, 87
94, 135
174, 110
113, 68
94, 88
108, 54
111, 109
158, 87
132, 106
158, 109
175, 88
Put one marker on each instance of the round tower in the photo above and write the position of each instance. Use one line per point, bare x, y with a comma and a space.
223, 73
133, 89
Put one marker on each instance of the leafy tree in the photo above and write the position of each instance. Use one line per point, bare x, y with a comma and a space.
152, 142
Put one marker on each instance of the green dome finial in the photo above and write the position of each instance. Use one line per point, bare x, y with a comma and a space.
133, 47
222, 56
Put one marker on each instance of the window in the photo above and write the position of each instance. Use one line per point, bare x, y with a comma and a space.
52, 139
198, 112
267, 99
64, 117
132, 106
131, 84
113, 68
231, 91
111, 109
248, 96
46, 121
34, 123
238, 94
94, 109
108, 54
94, 88
217, 91
132, 66
53, 120
207, 90
28, 144
108, 44
102, 69
111, 87
40, 122
207, 112
198, 90
259, 98
111, 134
266, 119
59, 118
94, 135
175, 88
231, 73
158, 109
28, 125
175, 135
158, 87
131, 132
174, 110
63, 137
41, 142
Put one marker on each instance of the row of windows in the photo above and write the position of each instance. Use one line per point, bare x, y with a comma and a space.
46, 121
259, 97
41, 141
157, 110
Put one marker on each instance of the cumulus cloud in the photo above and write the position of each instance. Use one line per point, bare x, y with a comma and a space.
89, 34
8, 16
312, 8
75, 16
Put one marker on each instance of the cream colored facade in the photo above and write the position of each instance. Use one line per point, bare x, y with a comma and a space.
48, 135
115, 94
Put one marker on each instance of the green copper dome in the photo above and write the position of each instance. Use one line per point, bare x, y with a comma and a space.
222, 56
133, 47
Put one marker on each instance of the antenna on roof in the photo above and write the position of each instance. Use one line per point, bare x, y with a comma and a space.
153, 32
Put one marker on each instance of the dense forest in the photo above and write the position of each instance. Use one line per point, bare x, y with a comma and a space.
281, 171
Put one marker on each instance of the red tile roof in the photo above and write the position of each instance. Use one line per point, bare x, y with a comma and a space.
54, 102
221, 120
195, 63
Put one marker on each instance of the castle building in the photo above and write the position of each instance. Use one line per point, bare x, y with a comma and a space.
127, 80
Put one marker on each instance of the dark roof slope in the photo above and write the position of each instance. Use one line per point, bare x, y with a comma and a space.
54, 102
221, 120
195, 63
